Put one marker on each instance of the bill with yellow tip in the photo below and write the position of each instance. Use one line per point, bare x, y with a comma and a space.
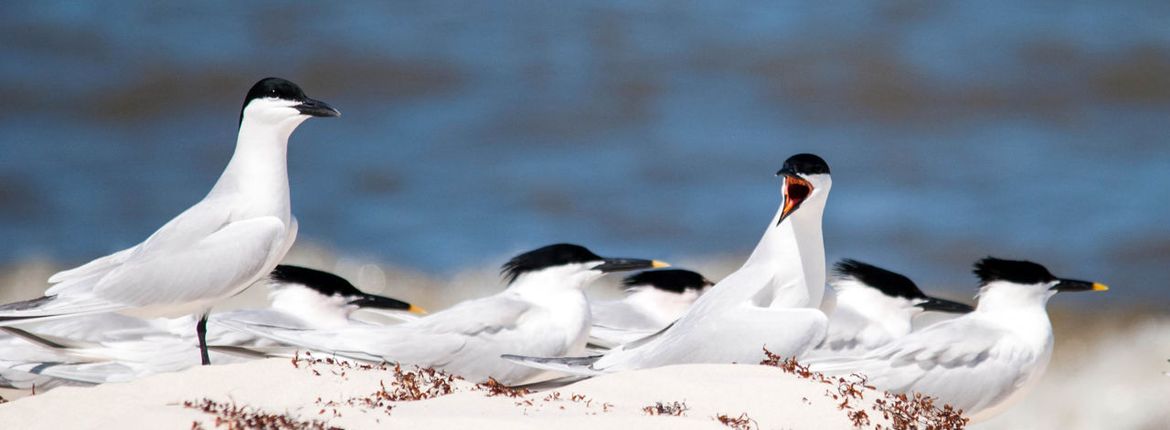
624, 264
1073, 285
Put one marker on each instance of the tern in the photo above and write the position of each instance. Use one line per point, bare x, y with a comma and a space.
653, 300
131, 348
318, 299
543, 312
873, 307
770, 302
213, 250
980, 362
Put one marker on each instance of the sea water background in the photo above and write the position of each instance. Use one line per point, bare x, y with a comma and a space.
475, 130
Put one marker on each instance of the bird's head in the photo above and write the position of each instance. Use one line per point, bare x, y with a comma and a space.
806, 179
665, 294
567, 265
894, 292
322, 298
278, 101
1015, 282
674, 281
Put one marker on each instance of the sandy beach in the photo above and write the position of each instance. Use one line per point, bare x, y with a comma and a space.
319, 394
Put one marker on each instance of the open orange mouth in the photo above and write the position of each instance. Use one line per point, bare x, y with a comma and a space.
796, 190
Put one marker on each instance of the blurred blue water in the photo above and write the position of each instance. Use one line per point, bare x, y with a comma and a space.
472, 131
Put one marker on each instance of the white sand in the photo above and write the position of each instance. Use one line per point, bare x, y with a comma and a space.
767, 395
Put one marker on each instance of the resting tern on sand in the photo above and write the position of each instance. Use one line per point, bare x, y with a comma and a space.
979, 362
543, 312
213, 250
769, 302
130, 348
654, 299
873, 307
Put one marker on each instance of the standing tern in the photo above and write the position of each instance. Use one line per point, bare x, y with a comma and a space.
542, 312
300, 297
654, 299
770, 302
213, 250
982, 361
874, 306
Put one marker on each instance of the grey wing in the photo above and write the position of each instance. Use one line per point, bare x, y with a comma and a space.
966, 365
848, 335
264, 317
213, 267
616, 323
466, 339
619, 315
190, 226
198, 255
97, 266
222, 332
438, 334
578, 366
738, 335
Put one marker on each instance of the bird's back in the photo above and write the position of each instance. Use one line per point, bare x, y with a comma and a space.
965, 362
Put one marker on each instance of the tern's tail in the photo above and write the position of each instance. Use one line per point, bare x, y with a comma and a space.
50, 343
52, 307
582, 366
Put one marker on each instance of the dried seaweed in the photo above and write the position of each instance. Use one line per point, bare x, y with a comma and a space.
674, 409
235, 417
905, 412
742, 422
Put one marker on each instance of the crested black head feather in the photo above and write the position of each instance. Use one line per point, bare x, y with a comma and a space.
325, 283
889, 283
549, 256
1016, 271
804, 164
672, 280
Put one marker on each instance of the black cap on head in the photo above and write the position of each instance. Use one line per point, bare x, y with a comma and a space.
322, 282
1020, 272
283, 89
331, 285
672, 280
804, 164
553, 255
275, 88
889, 283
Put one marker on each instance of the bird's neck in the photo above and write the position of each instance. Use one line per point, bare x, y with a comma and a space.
868, 308
316, 310
1017, 308
558, 293
661, 306
795, 252
811, 243
553, 283
258, 170
1000, 296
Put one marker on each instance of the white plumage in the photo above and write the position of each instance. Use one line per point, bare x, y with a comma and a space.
979, 362
211, 251
110, 347
543, 312
873, 306
770, 302
654, 300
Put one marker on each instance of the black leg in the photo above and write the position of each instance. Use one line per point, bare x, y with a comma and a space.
201, 332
